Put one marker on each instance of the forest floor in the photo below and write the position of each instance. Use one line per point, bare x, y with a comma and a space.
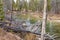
8, 35
30, 36
50, 16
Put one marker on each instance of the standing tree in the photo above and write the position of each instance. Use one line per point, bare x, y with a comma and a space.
7, 5
1, 11
57, 9
44, 20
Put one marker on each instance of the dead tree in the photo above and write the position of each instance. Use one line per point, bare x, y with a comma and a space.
44, 20
7, 6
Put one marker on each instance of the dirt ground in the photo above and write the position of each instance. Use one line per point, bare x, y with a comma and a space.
8, 36
50, 16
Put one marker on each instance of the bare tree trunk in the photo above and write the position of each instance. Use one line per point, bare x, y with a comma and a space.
7, 5
57, 9
44, 20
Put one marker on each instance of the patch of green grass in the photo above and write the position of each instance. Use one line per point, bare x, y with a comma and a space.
33, 20
47, 27
55, 28
26, 16
22, 16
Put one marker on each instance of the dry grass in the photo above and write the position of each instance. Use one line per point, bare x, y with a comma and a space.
50, 16
8, 36
30, 36
27, 36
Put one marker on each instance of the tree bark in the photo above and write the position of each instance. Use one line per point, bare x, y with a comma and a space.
44, 20
7, 5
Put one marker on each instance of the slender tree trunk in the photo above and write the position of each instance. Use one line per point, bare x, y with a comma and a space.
44, 20
57, 9
7, 5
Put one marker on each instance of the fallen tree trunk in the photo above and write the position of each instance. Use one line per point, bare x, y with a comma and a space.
15, 29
